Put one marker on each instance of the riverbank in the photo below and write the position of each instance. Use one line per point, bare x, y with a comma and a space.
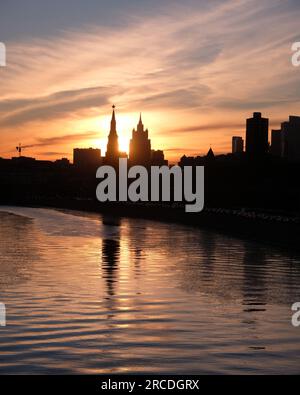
276, 228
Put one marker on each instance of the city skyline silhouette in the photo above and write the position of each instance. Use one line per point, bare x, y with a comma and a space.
256, 141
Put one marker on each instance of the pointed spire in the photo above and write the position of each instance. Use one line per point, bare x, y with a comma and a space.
112, 152
210, 155
113, 123
140, 126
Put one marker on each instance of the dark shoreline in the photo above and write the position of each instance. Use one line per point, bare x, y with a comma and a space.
274, 229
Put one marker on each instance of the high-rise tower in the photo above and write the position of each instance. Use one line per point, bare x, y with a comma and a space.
112, 153
291, 139
237, 145
140, 146
257, 135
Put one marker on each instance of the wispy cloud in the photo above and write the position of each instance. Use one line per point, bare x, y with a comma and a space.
54, 106
207, 127
56, 140
56, 154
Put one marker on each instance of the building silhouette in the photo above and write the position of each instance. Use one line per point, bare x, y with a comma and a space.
237, 145
276, 143
207, 159
158, 158
257, 130
210, 156
86, 158
291, 139
63, 163
186, 161
140, 146
112, 152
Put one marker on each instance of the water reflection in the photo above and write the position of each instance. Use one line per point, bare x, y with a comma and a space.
139, 296
110, 262
108, 220
18, 252
254, 281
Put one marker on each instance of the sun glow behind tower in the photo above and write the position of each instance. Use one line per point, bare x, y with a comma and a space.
125, 123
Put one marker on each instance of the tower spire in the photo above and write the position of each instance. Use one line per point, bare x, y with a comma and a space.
140, 126
113, 123
112, 153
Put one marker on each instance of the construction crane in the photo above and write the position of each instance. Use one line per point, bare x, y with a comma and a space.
19, 148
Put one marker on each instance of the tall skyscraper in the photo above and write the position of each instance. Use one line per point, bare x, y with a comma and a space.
257, 135
276, 143
291, 139
237, 145
112, 153
140, 146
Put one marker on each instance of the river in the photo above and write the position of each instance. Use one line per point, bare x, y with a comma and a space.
89, 294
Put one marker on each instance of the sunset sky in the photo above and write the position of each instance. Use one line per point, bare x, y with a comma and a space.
196, 69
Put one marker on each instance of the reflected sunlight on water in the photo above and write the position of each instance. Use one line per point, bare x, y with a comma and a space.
86, 294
